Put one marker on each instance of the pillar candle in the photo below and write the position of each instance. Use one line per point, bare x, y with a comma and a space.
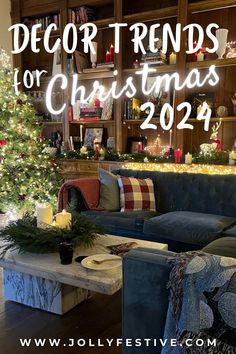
178, 155
139, 147
108, 56
63, 220
112, 52
102, 154
170, 143
232, 158
81, 134
188, 158
200, 56
83, 150
172, 58
44, 215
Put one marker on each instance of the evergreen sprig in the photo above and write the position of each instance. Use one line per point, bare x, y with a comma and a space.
218, 157
24, 235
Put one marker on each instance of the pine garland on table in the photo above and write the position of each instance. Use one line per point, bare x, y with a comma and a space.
24, 235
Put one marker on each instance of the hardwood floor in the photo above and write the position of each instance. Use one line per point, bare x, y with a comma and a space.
97, 318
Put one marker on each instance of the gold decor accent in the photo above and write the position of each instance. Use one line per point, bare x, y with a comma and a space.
182, 168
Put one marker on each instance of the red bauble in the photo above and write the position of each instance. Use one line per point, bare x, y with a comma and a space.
3, 142
218, 144
53, 162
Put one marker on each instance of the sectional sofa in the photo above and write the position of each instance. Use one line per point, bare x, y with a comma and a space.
145, 294
192, 210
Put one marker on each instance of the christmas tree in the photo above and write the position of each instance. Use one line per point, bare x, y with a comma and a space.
27, 175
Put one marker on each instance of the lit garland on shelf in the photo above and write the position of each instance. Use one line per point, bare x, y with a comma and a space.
27, 175
182, 168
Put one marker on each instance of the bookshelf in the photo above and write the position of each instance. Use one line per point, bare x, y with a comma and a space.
149, 12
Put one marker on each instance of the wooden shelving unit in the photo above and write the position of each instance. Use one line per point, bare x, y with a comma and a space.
103, 23
51, 123
219, 63
149, 11
210, 5
96, 123
54, 33
159, 69
215, 119
155, 14
96, 75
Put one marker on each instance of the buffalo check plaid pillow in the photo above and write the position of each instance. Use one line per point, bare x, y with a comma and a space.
136, 194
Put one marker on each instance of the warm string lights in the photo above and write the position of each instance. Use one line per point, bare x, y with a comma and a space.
181, 168
27, 175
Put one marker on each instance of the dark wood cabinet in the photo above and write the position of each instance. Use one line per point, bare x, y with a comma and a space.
149, 12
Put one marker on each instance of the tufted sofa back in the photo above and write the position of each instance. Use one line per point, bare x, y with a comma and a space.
212, 194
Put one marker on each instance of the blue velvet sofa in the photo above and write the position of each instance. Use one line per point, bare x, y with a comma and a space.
191, 210
145, 296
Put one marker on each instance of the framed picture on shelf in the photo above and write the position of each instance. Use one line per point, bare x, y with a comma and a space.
93, 136
81, 61
158, 98
136, 144
56, 67
196, 100
107, 109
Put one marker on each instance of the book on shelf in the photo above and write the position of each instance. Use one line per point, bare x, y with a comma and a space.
89, 119
81, 15
158, 58
81, 61
131, 108
44, 21
91, 112
152, 62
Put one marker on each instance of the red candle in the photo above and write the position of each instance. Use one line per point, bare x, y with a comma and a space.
112, 52
70, 114
139, 147
108, 57
97, 149
194, 55
178, 155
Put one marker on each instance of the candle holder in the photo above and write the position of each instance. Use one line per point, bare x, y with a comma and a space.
66, 252
171, 154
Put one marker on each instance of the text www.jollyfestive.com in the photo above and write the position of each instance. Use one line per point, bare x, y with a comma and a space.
110, 342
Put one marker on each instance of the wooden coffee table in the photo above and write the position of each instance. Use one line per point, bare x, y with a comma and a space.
40, 281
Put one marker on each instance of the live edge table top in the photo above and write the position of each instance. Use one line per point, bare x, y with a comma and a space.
48, 266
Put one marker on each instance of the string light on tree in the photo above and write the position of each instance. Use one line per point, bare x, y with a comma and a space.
27, 177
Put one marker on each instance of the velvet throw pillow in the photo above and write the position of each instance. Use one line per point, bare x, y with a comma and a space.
136, 194
109, 191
